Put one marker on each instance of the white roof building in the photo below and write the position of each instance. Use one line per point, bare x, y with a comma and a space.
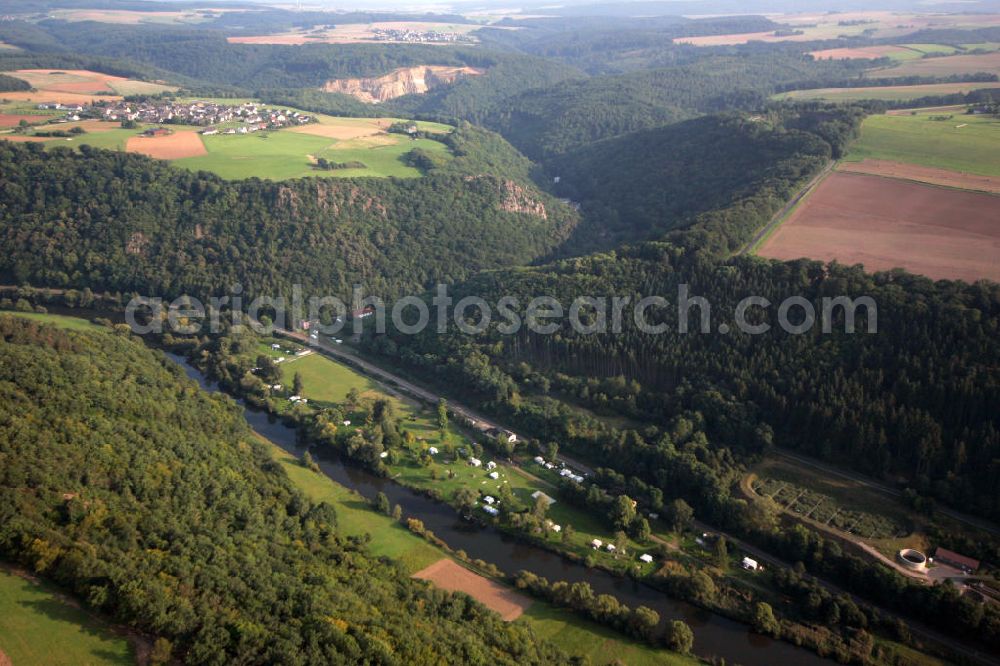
749, 564
494, 475
646, 557
596, 543
491, 465
539, 493
489, 499
475, 462
540, 460
432, 450
611, 548
493, 511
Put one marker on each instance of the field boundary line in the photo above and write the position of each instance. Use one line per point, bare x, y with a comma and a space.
776, 221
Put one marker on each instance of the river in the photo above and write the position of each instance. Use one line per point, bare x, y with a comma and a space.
715, 636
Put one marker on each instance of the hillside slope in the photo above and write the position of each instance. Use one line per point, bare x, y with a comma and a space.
152, 501
123, 222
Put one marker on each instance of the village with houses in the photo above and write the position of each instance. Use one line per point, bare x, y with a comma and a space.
243, 118
409, 36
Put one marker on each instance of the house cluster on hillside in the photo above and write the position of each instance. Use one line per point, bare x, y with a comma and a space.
420, 36
249, 114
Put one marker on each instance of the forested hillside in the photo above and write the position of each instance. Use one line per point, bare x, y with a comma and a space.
127, 223
920, 400
204, 59
641, 185
544, 123
154, 503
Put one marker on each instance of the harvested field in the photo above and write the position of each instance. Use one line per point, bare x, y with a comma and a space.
923, 174
943, 66
84, 82
180, 144
69, 80
885, 223
861, 52
338, 131
21, 138
453, 577
354, 33
888, 93
14, 119
39, 96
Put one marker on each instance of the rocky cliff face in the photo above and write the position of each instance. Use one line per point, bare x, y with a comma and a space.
399, 82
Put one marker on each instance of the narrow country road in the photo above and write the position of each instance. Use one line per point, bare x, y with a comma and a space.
779, 217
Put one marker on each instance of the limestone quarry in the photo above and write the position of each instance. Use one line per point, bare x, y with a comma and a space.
399, 82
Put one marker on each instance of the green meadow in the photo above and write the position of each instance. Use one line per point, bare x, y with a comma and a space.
326, 383
72, 323
39, 626
963, 142
355, 516
282, 155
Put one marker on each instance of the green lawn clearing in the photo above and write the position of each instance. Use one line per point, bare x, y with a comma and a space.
40, 626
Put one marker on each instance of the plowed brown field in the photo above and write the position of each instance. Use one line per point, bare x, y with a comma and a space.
453, 577
175, 146
885, 223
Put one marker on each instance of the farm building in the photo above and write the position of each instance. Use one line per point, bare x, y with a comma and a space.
157, 131
491, 465
494, 475
475, 462
951, 558
749, 564
596, 543
646, 557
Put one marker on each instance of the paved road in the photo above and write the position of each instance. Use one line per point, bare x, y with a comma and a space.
779, 217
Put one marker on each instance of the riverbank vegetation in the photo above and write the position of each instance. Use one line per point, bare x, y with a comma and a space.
210, 549
378, 433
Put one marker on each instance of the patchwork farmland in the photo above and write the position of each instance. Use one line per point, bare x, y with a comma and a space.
287, 153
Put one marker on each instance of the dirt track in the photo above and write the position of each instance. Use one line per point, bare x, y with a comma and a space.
453, 577
885, 223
